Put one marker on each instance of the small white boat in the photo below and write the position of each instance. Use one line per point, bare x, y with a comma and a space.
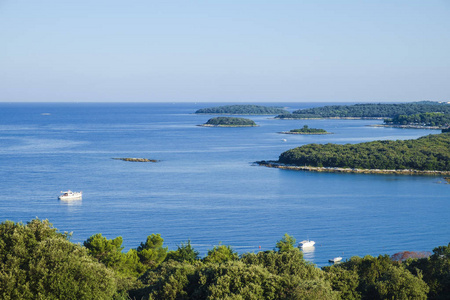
335, 260
69, 195
306, 244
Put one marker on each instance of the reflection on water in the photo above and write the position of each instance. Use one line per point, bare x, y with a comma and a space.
308, 253
73, 202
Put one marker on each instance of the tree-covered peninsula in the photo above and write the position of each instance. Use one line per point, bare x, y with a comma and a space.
306, 130
229, 122
428, 154
243, 110
422, 120
38, 262
368, 110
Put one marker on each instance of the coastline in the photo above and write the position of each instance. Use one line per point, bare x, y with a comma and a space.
208, 125
305, 133
408, 126
335, 118
275, 164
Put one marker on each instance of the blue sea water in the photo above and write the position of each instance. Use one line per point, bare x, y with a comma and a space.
205, 186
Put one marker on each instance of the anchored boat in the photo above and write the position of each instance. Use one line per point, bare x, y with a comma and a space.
69, 195
335, 260
306, 244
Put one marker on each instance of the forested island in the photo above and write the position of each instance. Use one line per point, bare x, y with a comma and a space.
39, 262
243, 110
368, 110
306, 130
422, 120
229, 122
426, 155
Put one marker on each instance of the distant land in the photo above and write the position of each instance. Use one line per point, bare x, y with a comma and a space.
368, 110
229, 122
426, 155
243, 110
306, 130
435, 120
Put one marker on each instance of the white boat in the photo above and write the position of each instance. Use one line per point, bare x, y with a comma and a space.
335, 260
69, 195
306, 244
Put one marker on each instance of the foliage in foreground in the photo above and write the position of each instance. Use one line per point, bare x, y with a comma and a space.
430, 152
38, 262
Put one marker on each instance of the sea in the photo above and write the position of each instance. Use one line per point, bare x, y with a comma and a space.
205, 187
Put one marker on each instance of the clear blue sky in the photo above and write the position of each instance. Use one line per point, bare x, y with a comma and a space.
227, 51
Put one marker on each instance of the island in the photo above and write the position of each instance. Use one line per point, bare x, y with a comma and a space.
229, 122
432, 120
243, 110
135, 159
306, 130
368, 110
426, 155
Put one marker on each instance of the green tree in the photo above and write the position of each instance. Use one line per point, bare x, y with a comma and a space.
184, 252
220, 254
37, 262
287, 243
152, 253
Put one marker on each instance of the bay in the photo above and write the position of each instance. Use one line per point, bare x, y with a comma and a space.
205, 186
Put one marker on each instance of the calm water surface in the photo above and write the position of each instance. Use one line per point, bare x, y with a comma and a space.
205, 187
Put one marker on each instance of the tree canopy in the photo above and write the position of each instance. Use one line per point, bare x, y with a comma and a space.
243, 110
368, 110
38, 262
230, 122
430, 152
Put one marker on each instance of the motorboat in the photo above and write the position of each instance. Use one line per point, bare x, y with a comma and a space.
306, 244
69, 195
335, 260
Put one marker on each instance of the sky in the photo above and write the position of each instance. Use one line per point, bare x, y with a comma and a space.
224, 51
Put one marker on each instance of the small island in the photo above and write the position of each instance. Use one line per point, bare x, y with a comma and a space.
306, 130
135, 159
243, 110
229, 122
428, 155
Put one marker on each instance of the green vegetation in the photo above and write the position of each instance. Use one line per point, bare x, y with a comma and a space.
307, 130
422, 119
369, 110
38, 262
230, 122
243, 110
431, 152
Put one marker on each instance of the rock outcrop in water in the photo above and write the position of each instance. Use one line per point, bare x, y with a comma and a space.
135, 159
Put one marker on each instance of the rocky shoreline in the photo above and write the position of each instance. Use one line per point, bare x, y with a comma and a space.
209, 125
135, 159
310, 133
407, 126
275, 164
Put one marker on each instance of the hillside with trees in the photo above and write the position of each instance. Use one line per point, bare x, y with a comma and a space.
38, 262
243, 110
229, 122
430, 152
369, 110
